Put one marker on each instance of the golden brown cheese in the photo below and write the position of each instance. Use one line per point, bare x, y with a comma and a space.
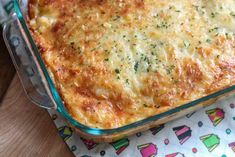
116, 62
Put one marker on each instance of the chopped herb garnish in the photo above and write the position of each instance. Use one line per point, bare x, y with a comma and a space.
169, 69
117, 71
136, 66
93, 49
142, 56
157, 106
232, 14
213, 14
145, 105
208, 40
153, 45
106, 51
213, 29
106, 59
196, 7
186, 44
116, 18
146, 58
226, 34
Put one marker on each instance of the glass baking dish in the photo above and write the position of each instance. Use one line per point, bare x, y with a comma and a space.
41, 90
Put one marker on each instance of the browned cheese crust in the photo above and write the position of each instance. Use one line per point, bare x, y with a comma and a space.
115, 62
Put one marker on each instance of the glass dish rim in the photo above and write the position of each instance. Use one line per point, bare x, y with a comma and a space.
96, 131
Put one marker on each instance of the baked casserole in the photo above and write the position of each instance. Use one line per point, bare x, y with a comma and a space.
115, 62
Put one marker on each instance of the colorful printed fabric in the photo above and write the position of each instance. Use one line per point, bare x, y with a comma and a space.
183, 133
209, 132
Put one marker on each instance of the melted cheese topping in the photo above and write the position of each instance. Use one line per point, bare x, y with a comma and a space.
116, 62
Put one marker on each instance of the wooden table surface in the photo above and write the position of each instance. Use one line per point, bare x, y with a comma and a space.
7, 70
27, 130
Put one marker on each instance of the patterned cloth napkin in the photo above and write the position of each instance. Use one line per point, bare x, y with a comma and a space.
209, 132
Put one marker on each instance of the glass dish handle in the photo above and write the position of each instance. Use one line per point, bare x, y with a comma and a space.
23, 60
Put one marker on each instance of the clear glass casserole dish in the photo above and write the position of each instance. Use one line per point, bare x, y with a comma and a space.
41, 90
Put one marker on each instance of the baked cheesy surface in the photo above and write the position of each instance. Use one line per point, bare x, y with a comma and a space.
115, 62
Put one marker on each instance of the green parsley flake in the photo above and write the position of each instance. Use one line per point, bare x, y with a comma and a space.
136, 66
186, 44
145, 105
232, 14
117, 71
208, 41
